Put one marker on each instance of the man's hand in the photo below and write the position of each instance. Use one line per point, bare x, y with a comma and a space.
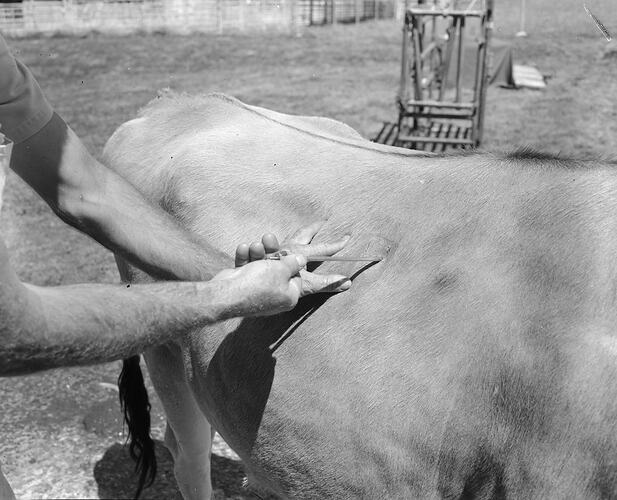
298, 243
273, 286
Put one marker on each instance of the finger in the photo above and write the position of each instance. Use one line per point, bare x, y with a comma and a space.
295, 285
326, 248
323, 283
294, 263
270, 243
256, 251
304, 235
242, 255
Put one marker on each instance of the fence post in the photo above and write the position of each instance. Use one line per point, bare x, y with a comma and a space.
68, 22
242, 13
292, 10
219, 17
522, 32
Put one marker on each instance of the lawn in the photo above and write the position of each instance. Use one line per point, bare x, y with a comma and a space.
59, 431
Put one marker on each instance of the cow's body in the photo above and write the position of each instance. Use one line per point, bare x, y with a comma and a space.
477, 360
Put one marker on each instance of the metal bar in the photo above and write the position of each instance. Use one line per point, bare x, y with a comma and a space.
438, 132
420, 25
440, 104
424, 140
459, 62
458, 132
445, 135
434, 27
446, 64
440, 117
473, 2
429, 48
403, 93
437, 47
478, 90
450, 125
417, 61
478, 72
428, 80
446, 12
378, 138
393, 130
444, 116
488, 30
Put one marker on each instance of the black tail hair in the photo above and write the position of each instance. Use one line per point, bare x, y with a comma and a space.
136, 408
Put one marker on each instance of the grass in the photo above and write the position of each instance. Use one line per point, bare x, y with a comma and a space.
345, 72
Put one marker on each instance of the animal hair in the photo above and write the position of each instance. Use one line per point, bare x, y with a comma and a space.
136, 407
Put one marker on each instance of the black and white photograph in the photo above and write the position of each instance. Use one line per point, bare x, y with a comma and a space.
308, 249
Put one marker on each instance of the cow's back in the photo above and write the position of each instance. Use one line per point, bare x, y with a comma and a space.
476, 359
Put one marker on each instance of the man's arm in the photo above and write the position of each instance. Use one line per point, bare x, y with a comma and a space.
83, 192
51, 327
97, 201
50, 157
102, 204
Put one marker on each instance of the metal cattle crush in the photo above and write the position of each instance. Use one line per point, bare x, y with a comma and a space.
444, 75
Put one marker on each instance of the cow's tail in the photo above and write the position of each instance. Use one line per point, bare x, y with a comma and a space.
136, 408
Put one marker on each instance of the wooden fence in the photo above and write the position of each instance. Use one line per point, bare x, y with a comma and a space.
183, 16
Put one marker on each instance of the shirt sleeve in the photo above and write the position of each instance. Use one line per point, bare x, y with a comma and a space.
23, 107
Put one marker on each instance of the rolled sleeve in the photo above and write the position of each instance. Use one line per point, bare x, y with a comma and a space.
23, 107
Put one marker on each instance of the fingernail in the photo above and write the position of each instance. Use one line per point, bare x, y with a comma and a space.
345, 286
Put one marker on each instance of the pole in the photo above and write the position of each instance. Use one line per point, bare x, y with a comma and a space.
292, 13
522, 32
219, 17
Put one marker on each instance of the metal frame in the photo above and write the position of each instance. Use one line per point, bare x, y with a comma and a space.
435, 112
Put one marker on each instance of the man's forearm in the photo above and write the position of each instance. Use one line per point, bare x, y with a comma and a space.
146, 236
99, 202
84, 324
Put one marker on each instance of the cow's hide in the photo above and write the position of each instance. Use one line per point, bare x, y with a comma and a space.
477, 360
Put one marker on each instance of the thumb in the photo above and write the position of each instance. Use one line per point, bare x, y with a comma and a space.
323, 283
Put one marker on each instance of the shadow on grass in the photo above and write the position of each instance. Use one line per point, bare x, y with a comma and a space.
115, 479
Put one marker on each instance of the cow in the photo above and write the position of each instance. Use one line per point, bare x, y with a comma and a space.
478, 359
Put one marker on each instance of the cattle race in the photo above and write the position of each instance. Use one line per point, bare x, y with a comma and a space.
473, 355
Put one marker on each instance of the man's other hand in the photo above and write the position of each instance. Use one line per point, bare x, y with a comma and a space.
298, 243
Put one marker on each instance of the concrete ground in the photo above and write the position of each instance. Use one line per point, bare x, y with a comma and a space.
61, 436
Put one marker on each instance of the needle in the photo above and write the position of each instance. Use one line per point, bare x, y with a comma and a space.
322, 258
